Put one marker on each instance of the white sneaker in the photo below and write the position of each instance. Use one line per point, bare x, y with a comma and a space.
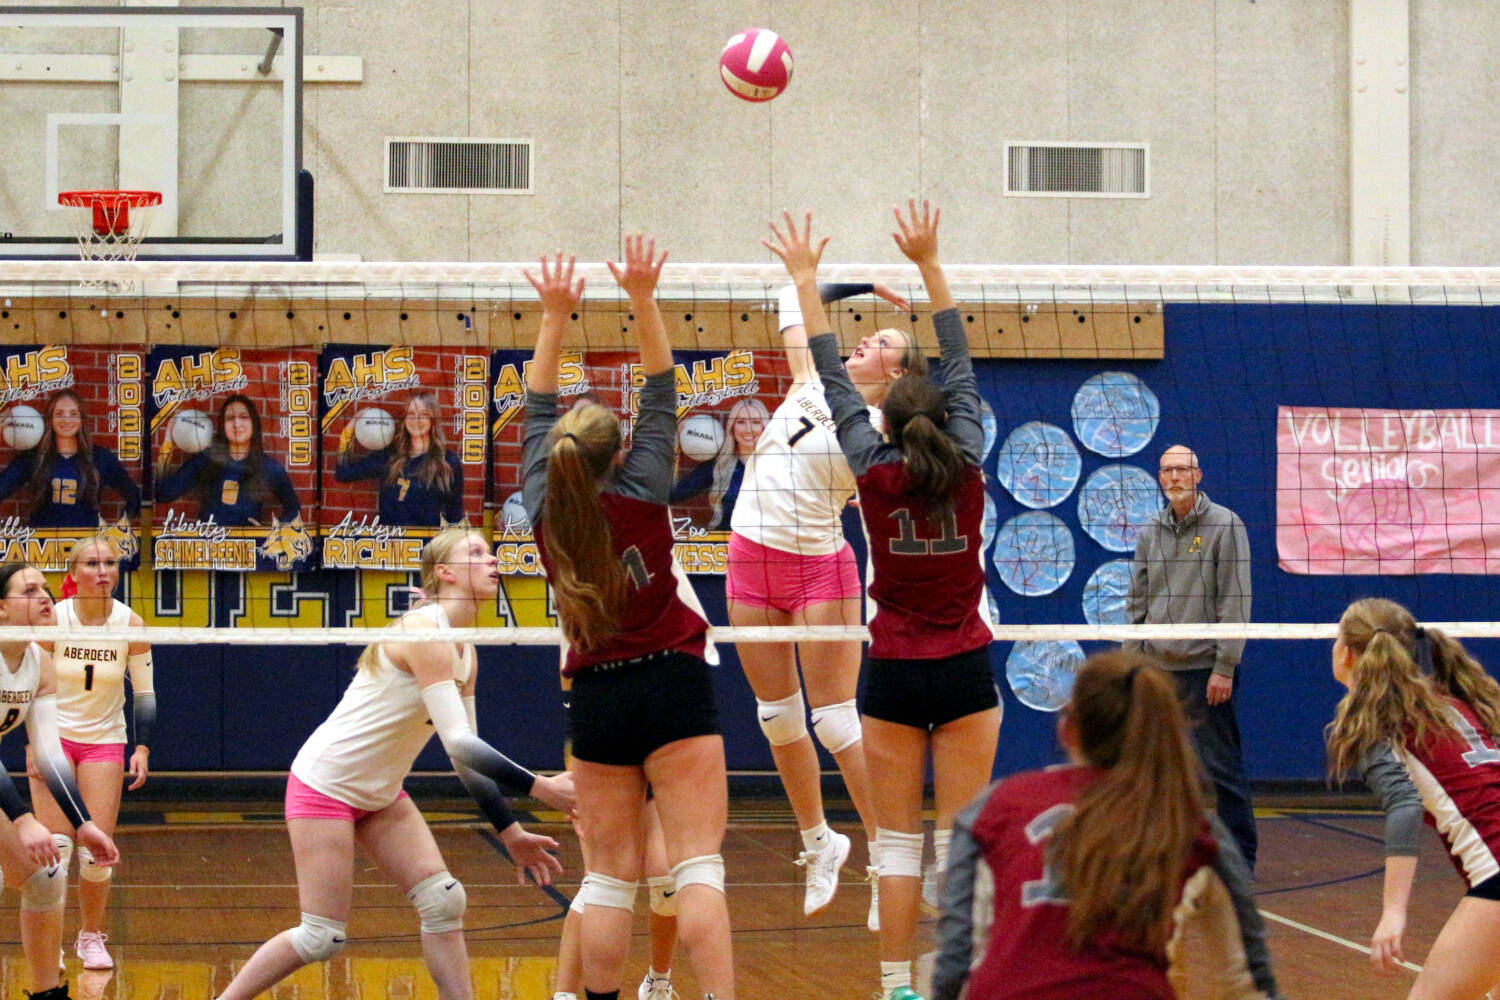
823, 873
872, 875
656, 989
90, 948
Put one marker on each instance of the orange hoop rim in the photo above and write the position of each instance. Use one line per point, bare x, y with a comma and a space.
108, 196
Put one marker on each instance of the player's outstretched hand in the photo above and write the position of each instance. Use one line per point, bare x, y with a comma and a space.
532, 854
99, 844
892, 296
1385, 946
642, 269
918, 236
795, 249
556, 791
556, 288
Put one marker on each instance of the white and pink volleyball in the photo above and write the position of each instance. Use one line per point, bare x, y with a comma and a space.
756, 65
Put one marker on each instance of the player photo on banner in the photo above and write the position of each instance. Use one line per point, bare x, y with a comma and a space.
404, 450
724, 400
72, 437
234, 448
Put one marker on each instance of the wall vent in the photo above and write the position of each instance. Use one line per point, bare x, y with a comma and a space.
457, 166
1078, 169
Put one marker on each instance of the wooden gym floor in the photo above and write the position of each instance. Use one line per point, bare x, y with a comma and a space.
199, 890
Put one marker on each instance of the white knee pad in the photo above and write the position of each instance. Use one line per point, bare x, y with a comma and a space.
615, 893
663, 895
837, 726
64, 850
707, 869
88, 870
440, 901
45, 889
900, 853
581, 897
317, 939
783, 721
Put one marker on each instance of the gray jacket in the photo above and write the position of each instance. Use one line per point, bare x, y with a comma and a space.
1193, 570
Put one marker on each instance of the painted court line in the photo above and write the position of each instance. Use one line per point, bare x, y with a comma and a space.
1328, 937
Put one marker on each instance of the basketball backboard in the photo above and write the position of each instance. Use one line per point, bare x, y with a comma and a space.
203, 104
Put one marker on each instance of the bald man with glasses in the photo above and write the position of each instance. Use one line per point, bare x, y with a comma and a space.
1192, 564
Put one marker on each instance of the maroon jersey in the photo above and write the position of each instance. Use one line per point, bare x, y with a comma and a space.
929, 576
661, 610
1457, 773
1028, 955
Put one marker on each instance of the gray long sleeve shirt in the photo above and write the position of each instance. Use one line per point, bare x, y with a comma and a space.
1196, 569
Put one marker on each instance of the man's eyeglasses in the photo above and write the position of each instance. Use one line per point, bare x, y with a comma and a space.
1178, 470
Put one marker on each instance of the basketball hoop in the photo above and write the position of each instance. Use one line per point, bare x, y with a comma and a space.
106, 231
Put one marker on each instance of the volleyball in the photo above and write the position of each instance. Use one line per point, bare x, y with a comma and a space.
700, 436
756, 65
513, 515
23, 427
192, 431
374, 428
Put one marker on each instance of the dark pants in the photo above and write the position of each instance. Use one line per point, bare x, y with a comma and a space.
1216, 738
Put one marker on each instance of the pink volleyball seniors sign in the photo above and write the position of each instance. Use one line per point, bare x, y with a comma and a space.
1393, 492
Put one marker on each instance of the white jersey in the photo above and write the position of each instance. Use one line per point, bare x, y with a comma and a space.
91, 678
18, 688
365, 749
797, 480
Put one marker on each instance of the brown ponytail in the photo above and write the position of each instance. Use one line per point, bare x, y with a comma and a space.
1388, 696
1462, 676
915, 413
1129, 723
587, 580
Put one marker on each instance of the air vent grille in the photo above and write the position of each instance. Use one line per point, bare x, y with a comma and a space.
1077, 170
458, 166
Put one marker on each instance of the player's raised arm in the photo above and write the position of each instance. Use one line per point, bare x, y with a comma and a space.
560, 295
638, 277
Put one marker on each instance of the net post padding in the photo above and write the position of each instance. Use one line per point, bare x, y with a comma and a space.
105, 229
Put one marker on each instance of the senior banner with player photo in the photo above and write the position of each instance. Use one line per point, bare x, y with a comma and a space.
404, 450
724, 400
234, 446
1388, 492
73, 433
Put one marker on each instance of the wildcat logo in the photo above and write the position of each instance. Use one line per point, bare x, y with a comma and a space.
29, 374
370, 376
198, 376
122, 536
287, 543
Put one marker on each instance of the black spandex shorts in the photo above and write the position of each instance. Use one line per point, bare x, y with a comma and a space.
623, 712
1488, 889
927, 694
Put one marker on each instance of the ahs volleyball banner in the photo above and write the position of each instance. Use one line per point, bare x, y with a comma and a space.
404, 450
234, 442
72, 434
1390, 492
723, 403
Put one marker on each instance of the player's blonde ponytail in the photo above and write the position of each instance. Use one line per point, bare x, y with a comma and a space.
1128, 722
587, 579
1389, 700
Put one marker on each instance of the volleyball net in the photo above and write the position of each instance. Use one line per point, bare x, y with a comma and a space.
1348, 416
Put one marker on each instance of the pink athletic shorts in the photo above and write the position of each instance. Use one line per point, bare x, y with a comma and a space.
764, 577
303, 802
88, 753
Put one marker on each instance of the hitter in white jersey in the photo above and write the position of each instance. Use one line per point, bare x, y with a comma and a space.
790, 565
345, 785
28, 854
91, 721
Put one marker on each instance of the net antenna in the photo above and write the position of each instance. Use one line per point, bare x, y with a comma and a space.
107, 231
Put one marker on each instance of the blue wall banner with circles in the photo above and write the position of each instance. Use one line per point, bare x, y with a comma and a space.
1115, 503
1115, 414
1041, 673
1034, 553
1039, 464
1106, 594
